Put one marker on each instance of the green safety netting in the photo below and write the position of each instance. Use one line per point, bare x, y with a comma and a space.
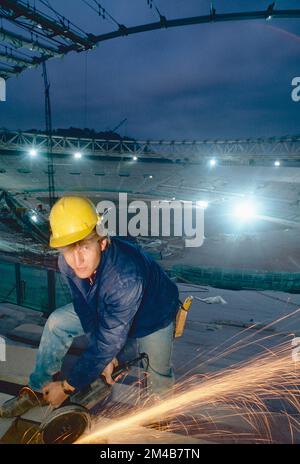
237, 279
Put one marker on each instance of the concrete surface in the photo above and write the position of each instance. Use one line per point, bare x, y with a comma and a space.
209, 332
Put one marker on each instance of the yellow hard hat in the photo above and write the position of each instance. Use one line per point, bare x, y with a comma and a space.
71, 219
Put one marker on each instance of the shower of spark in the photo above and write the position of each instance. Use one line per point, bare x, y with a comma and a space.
245, 389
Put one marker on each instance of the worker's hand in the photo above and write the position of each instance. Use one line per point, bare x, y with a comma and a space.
54, 394
109, 370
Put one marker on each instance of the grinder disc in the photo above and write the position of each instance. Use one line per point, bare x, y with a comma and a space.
65, 425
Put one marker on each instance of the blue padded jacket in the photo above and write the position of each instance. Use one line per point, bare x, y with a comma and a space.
130, 295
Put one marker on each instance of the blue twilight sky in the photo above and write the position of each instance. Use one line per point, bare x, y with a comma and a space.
219, 80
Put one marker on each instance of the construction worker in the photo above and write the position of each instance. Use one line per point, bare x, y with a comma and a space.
119, 294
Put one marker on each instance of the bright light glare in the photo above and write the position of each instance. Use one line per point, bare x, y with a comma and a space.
135, 158
33, 152
77, 155
277, 163
212, 162
202, 204
34, 218
245, 211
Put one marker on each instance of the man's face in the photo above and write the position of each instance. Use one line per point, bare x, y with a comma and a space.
84, 256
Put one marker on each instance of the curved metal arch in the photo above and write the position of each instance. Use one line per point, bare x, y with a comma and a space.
190, 21
164, 23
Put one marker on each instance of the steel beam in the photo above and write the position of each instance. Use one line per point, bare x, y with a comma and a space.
237, 150
19, 41
204, 19
21, 9
80, 43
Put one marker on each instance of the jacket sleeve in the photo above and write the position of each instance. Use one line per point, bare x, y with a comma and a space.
105, 343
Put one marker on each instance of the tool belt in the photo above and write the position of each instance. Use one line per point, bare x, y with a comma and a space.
182, 315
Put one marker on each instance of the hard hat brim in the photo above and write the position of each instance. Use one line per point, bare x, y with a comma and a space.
70, 239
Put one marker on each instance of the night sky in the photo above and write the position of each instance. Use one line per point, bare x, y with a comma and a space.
221, 80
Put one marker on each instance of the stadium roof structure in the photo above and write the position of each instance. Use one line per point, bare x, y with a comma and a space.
240, 151
30, 36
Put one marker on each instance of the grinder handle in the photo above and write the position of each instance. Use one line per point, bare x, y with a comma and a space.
125, 367
119, 370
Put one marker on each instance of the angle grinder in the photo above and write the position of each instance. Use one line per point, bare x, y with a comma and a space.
68, 422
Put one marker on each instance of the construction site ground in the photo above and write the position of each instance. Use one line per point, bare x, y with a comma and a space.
201, 350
